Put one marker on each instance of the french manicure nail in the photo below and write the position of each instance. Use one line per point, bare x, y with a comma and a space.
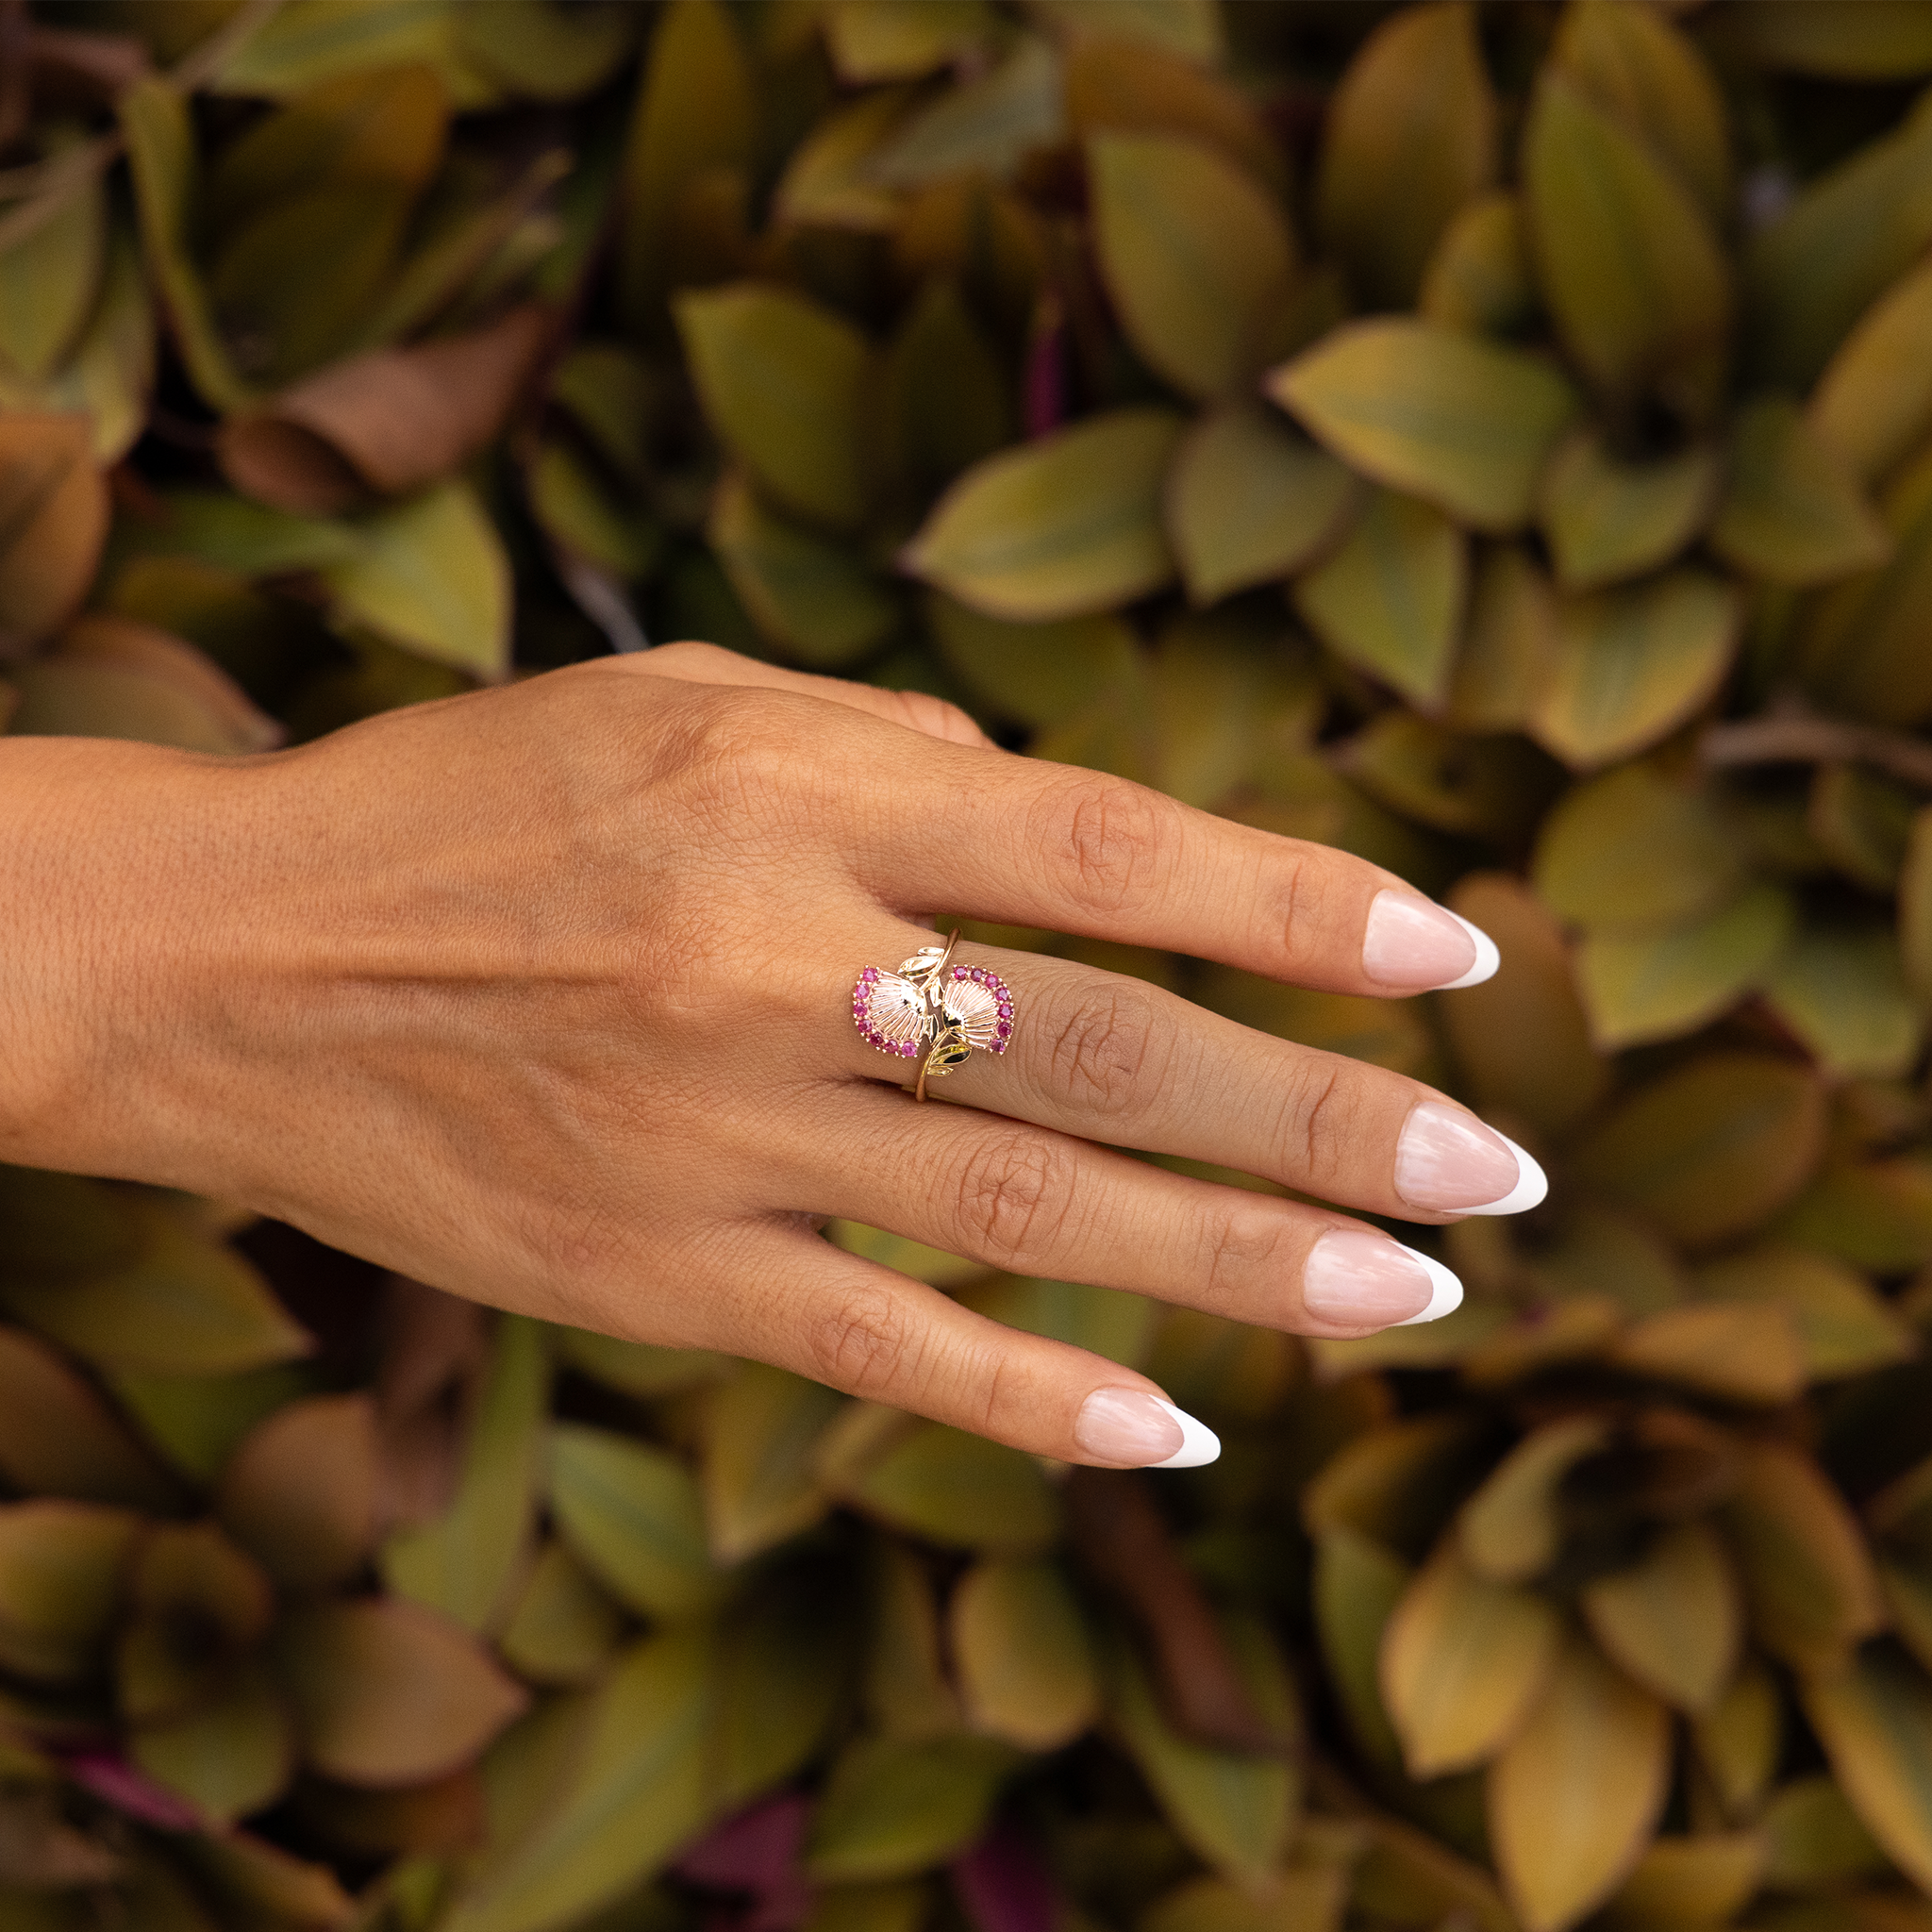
1144, 1431
1448, 1160
1362, 1280
1413, 943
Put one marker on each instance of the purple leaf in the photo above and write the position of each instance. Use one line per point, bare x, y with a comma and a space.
1002, 1885
757, 1851
116, 1782
1046, 373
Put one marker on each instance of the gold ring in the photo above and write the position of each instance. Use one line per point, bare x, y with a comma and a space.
933, 1010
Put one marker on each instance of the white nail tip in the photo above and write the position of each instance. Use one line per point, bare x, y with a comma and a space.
1487, 957
1532, 1184
1445, 1290
1199, 1443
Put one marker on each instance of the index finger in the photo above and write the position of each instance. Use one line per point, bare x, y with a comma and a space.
1027, 842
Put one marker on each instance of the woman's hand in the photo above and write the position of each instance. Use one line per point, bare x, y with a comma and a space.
544, 995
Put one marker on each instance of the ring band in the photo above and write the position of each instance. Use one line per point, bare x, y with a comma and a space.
933, 1010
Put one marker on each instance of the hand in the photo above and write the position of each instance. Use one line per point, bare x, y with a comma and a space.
542, 994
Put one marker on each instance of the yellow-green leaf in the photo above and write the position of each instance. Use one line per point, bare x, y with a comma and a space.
1632, 665
757, 1482
631, 1514
986, 124
564, 1627
1024, 1660
782, 381
1480, 279
1630, 269
1463, 1660
59, 1437
53, 522
1039, 673
1808, 1580
1879, 39
808, 595
1915, 908
1740, 1737
1507, 645
889, 1809
233, 1755
1196, 256
1357, 1586
63, 1570
1249, 502
1844, 1326
1874, 1720
1511, 1529
1843, 993
1574, 1797
1704, 1879
1059, 527
1410, 135
1673, 1619
1641, 986
1710, 1149
1461, 422
1791, 513
957, 1489
50, 277
1874, 402
1609, 518
431, 576
1390, 601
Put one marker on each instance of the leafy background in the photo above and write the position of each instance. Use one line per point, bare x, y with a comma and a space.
1496, 439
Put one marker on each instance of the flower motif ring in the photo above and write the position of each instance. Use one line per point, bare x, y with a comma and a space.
933, 1012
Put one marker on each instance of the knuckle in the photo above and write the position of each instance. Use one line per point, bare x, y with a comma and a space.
1243, 1251
863, 1342
1320, 1118
1106, 838
1102, 1047
1015, 1192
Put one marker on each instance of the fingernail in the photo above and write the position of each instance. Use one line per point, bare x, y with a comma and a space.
1447, 1159
1144, 1431
1362, 1280
1414, 943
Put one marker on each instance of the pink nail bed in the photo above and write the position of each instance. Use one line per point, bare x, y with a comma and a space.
1144, 1431
1413, 943
1446, 1160
1360, 1280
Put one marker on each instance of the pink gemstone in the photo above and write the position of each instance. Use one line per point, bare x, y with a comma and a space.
959, 972
1006, 1009
1005, 1028
977, 974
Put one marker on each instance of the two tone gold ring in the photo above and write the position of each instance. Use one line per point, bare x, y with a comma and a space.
933, 1010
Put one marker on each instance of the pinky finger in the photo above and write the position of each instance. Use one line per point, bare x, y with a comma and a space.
873, 1333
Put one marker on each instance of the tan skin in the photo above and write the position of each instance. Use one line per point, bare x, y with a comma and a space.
542, 994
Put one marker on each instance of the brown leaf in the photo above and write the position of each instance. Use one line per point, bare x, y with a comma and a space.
435, 1352
1120, 1536
300, 1490
59, 1437
193, 678
53, 522
384, 423
435, 1819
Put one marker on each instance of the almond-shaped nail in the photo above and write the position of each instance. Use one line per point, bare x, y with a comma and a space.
1129, 1425
1415, 944
1360, 1280
1448, 1160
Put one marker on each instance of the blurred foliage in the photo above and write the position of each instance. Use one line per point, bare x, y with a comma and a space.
1496, 439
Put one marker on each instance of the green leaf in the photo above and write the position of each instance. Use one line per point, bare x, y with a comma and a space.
1738, 1739
1511, 1529
986, 124
757, 1481
957, 1489
1231, 1808
464, 1563
1846, 1327
1711, 1149
1574, 1797
232, 1755
1249, 502
1390, 601
162, 157
637, 1368
890, 1810
627, 1795
1357, 1584
1673, 1619
1791, 514
1463, 1661
1106, 1321
1060, 528
308, 43
1039, 673
1636, 847
1638, 66
232, 534
1872, 405
1463, 423
1807, 1577
1847, 237
1479, 279
1632, 274
197, 1421
1410, 137
59, 1437
63, 1568
1915, 908
1874, 1214
579, 514
1481, 785
565, 1628
1507, 644
807, 595
783, 1669
1197, 257
1608, 519
1631, 665
1192, 28
52, 521
184, 1306
1862, 822
874, 40
1656, 985
1024, 1660
389, 1693
1843, 993
1882, 39
631, 1514
697, 110
431, 576
544, 52
1814, 1842
783, 381
50, 277
947, 401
